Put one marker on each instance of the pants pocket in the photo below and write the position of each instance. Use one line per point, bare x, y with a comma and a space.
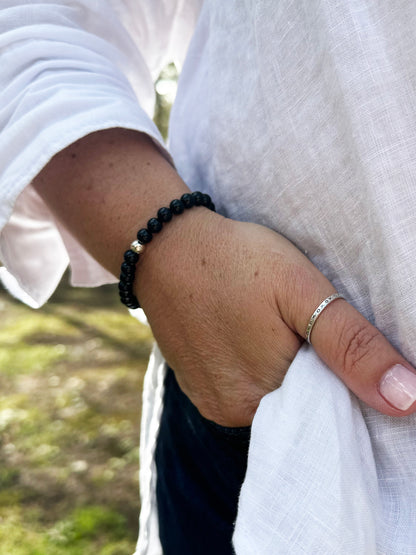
200, 470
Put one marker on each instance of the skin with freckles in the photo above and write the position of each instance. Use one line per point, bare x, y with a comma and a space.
228, 302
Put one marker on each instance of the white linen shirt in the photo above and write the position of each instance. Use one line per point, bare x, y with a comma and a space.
297, 115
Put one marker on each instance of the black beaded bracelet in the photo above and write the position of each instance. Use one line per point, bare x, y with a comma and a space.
145, 235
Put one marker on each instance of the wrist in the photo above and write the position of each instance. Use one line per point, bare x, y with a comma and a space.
128, 289
173, 261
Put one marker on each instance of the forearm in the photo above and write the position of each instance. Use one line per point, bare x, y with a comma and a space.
106, 186
228, 302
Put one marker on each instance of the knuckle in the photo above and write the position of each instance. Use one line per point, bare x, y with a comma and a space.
359, 342
297, 284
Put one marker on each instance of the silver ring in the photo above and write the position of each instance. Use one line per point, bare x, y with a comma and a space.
318, 312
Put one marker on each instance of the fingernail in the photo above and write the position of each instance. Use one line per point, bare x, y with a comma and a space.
398, 387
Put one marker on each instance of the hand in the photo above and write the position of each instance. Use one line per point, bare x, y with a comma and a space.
229, 302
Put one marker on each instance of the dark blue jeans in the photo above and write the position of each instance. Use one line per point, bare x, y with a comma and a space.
200, 469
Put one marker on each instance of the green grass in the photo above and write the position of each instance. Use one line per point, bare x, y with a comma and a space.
88, 530
70, 377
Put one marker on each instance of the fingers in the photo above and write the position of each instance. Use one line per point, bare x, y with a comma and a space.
363, 358
352, 348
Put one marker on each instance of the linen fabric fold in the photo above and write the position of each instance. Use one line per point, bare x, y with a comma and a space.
337, 480
68, 69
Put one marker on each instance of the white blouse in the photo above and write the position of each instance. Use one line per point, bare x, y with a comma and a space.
297, 115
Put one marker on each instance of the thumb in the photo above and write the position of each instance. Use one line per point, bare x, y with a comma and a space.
363, 358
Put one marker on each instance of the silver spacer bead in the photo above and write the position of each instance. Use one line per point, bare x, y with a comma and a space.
138, 247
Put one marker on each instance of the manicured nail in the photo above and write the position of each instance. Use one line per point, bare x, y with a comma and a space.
398, 387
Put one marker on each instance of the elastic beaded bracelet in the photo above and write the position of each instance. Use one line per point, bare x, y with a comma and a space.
145, 235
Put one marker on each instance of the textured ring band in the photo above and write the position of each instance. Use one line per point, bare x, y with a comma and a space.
318, 312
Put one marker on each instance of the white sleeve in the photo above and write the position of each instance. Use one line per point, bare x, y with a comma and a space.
68, 68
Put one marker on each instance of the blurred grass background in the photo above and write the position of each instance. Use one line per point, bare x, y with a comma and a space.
70, 399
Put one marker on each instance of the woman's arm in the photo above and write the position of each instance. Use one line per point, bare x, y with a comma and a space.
228, 302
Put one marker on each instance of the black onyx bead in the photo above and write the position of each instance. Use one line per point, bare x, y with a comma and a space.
212, 206
126, 297
198, 198
164, 215
177, 206
144, 236
130, 302
206, 200
187, 200
126, 279
124, 285
131, 257
154, 226
128, 269
133, 304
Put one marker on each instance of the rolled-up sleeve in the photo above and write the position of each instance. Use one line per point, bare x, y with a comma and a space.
67, 68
